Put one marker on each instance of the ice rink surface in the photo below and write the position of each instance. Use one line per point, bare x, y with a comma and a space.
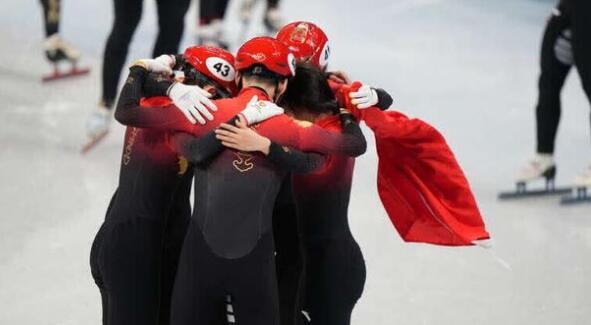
469, 67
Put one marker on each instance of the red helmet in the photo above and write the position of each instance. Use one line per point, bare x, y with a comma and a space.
215, 63
307, 42
268, 52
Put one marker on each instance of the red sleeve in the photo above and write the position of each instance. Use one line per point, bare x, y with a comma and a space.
306, 136
134, 110
157, 113
335, 86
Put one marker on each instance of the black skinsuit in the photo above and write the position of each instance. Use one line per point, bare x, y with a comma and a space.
569, 26
228, 250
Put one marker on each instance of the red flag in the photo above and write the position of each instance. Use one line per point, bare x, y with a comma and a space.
420, 182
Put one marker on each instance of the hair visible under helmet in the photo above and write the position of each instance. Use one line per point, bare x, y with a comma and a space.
307, 41
309, 92
266, 60
206, 65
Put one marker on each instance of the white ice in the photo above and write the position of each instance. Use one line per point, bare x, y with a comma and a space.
467, 66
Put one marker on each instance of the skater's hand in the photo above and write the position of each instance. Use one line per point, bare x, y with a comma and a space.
242, 138
257, 111
364, 97
339, 77
192, 101
161, 64
166, 59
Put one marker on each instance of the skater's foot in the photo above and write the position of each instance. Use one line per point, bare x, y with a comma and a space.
212, 34
56, 49
584, 180
99, 121
540, 166
246, 10
273, 20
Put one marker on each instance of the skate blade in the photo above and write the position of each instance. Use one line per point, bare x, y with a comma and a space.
93, 142
577, 196
534, 193
57, 75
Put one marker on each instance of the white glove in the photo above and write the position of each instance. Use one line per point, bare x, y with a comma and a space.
192, 101
257, 111
162, 64
365, 97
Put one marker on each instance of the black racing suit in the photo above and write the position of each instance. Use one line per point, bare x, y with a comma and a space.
228, 250
135, 252
566, 42
313, 241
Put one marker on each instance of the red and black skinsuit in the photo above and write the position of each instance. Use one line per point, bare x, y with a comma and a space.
129, 256
135, 253
320, 267
228, 249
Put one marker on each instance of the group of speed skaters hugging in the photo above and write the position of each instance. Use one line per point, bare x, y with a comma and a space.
270, 138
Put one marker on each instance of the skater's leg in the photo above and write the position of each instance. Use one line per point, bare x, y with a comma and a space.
253, 286
56, 49
210, 31
175, 231
96, 272
335, 278
552, 77
127, 17
198, 296
222, 6
212, 10
129, 261
272, 4
51, 16
289, 258
171, 23
581, 27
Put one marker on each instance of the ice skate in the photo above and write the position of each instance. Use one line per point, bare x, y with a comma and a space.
273, 21
57, 51
542, 166
212, 34
580, 192
97, 127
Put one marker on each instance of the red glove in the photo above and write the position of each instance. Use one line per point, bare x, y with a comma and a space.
345, 100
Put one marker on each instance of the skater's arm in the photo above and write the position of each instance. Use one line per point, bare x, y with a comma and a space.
367, 96
156, 85
384, 99
309, 137
243, 138
198, 150
294, 160
130, 112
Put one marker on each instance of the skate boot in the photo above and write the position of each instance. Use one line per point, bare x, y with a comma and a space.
580, 191
542, 166
212, 34
273, 21
97, 127
56, 51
